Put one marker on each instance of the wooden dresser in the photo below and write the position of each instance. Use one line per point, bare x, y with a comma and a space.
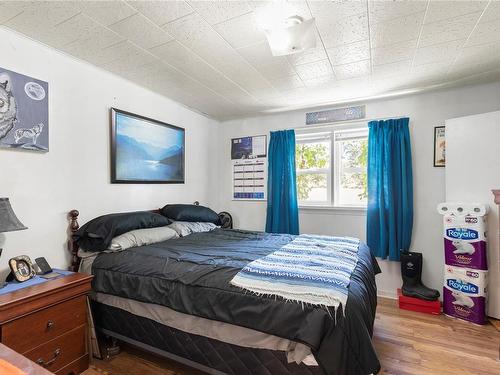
47, 323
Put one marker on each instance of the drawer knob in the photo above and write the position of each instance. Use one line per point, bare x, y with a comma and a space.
41, 362
50, 324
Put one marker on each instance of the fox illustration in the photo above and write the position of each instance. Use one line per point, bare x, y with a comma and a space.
8, 106
32, 133
463, 248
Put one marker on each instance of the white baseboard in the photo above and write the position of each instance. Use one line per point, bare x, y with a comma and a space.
387, 294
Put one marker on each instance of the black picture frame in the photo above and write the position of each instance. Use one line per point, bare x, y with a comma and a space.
441, 163
114, 144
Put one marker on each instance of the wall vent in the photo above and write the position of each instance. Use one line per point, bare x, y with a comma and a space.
335, 115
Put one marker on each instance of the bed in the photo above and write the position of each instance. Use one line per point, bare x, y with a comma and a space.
174, 298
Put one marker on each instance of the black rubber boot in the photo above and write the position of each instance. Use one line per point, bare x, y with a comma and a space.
411, 272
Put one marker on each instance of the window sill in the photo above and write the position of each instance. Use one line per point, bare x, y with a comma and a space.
335, 210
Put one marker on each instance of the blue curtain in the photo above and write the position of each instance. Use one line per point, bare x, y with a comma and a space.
282, 206
390, 188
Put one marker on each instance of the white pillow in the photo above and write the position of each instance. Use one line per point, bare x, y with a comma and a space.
140, 237
185, 228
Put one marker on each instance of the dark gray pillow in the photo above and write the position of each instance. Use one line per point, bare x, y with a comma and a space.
96, 235
190, 212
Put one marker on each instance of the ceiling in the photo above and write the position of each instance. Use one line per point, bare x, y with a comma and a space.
213, 57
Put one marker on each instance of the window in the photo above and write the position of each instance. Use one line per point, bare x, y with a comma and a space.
331, 166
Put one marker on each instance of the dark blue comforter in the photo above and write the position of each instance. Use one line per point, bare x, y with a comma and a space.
192, 274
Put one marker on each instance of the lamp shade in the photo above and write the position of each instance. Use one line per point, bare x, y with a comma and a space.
8, 219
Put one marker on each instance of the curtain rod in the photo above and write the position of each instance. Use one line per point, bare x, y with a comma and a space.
349, 122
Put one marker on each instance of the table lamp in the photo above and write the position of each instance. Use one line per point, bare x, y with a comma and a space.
8, 221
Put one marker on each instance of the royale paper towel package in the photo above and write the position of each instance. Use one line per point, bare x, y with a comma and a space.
465, 234
464, 293
465, 241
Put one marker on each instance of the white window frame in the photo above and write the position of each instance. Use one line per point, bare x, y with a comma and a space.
333, 188
314, 138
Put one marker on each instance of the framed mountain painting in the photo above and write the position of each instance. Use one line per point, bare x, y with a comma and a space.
145, 151
24, 112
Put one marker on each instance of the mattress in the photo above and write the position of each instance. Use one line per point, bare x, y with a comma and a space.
228, 333
191, 275
207, 354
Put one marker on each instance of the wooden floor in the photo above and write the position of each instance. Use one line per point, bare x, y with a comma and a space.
406, 342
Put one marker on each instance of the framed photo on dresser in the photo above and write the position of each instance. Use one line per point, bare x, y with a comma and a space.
145, 151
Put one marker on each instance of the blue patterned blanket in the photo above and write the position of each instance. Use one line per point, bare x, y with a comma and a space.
310, 269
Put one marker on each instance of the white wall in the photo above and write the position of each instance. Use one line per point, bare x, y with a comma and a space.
425, 111
75, 172
473, 156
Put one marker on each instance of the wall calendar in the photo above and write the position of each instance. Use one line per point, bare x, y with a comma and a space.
249, 168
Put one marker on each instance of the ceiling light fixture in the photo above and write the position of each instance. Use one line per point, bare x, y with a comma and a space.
291, 36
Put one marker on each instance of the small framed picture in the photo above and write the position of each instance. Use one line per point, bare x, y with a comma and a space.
439, 146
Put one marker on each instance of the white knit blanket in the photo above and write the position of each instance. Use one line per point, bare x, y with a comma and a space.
310, 269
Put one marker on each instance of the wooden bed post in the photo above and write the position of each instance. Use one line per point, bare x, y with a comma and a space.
72, 245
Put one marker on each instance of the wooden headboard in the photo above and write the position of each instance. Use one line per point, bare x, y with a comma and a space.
226, 222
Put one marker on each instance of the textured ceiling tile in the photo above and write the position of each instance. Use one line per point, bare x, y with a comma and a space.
266, 94
352, 70
241, 31
141, 31
349, 53
145, 72
106, 12
195, 33
381, 11
391, 69
259, 54
433, 69
217, 11
396, 30
461, 71
78, 27
92, 44
320, 81
102, 37
287, 83
492, 12
183, 59
7, 12
113, 53
311, 55
162, 12
337, 9
346, 30
191, 30
202, 70
441, 10
485, 32
277, 69
395, 52
173, 51
437, 52
248, 78
38, 15
478, 54
130, 63
314, 70
448, 30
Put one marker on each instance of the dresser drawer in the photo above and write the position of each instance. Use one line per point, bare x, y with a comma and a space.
75, 367
61, 351
41, 326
